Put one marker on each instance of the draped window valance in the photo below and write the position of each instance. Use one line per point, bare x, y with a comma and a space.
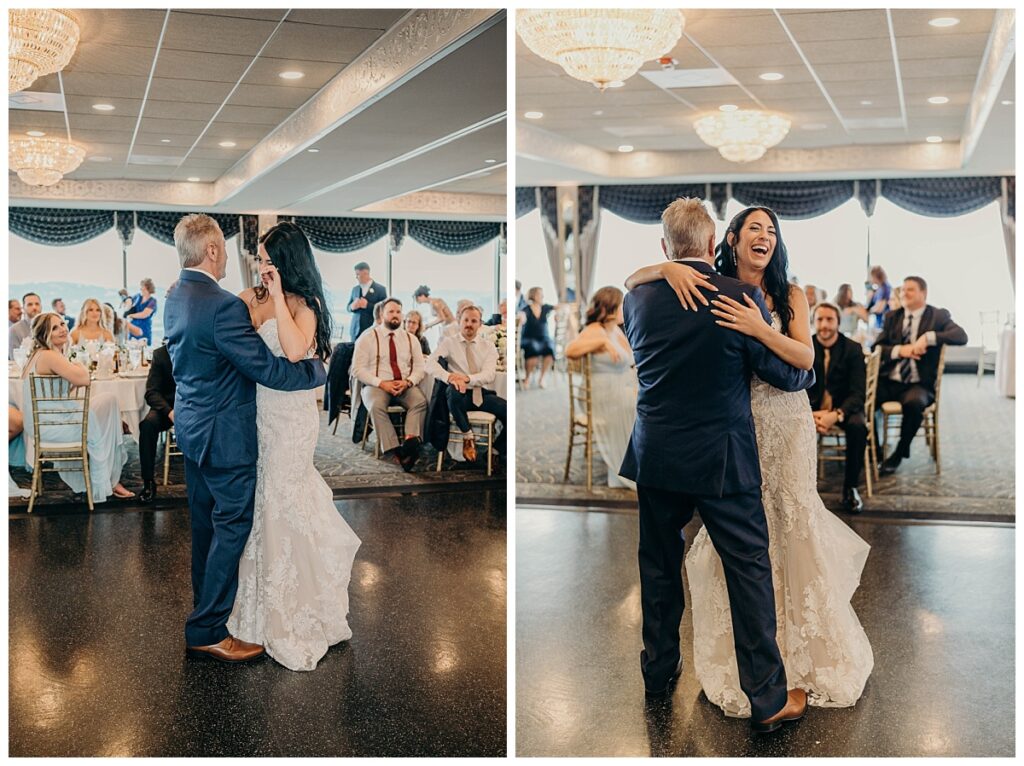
60, 226
645, 203
452, 237
160, 224
342, 235
526, 200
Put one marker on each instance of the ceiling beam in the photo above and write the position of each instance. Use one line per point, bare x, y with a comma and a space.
999, 53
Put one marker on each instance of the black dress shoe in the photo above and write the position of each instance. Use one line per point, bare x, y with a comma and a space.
657, 692
851, 500
889, 465
148, 493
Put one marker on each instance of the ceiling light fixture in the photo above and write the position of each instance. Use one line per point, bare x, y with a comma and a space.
600, 46
291, 75
728, 108
625, 148
944, 21
938, 100
313, 151
866, 103
771, 76
616, 84
103, 107
744, 135
41, 41
193, 179
43, 161
227, 144
165, 140
1006, 102
489, 162
599, 112
934, 139
533, 115
35, 133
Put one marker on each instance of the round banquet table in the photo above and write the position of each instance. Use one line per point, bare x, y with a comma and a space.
1005, 378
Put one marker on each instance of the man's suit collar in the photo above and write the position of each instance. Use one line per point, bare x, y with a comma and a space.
698, 264
187, 275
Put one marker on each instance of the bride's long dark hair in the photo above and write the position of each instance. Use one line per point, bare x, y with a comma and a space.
292, 256
776, 279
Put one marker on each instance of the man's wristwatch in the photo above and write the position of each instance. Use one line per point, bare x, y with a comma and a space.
839, 415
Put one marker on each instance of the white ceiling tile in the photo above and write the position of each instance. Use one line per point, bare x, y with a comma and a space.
201, 33
338, 44
838, 25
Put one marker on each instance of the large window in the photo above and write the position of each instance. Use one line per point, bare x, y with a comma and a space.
532, 266
338, 272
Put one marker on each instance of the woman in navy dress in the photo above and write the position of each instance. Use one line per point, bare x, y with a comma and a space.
534, 338
142, 310
878, 300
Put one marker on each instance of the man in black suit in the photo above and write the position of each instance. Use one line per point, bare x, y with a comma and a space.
160, 398
365, 295
910, 343
837, 396
693, 448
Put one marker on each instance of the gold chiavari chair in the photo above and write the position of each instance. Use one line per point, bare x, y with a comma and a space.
482, 425
55, 402
989, 343
892, 417
170, 450
397, 416
836, 449
581, 421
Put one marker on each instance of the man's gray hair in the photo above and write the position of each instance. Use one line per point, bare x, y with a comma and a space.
469, 307
191, 236
687, 228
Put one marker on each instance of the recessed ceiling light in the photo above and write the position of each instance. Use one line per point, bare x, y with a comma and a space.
728, 108
616, 84
313, 151
533, 115
291, 75
934, 139
193, 179
226, 144
866, 103
489, 162
103, 107
938, 100
944, 21
771, 76
165, 140
625, 148
35, 133
1004, 102
598, 112
99, 158
813, 126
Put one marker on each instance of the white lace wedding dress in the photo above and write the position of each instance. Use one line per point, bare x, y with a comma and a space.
816, 565
294, 574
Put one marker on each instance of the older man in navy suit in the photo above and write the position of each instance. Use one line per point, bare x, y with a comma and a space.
218, 359
693, 448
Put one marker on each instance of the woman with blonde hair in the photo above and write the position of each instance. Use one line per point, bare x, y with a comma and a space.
90, 325
107, 454
414, 324
613, 384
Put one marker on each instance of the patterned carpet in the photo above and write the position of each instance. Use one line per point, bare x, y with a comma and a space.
977, 441
343, 465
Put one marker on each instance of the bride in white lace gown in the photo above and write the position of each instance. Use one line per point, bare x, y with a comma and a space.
294, 575
816, 559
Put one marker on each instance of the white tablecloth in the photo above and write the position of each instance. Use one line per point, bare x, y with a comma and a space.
1005, 378
130, 393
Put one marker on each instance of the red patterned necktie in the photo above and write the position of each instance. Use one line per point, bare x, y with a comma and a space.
393, 354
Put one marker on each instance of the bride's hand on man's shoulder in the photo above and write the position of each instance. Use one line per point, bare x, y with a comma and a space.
747, 319
687, 282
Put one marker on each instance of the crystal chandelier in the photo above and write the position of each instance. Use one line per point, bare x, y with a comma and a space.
744, 135
43, 161
600, 46
40, 41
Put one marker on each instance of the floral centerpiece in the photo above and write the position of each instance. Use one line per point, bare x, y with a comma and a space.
497, 335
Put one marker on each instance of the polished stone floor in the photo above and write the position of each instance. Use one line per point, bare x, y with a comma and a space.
977, 480
936, 601
97, 666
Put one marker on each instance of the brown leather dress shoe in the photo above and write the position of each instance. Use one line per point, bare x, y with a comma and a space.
794, 709
469, 449
231, 649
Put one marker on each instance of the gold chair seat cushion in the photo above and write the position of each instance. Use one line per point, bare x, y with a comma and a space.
394, 409
581, 421
483, 418
61, 446
895, 408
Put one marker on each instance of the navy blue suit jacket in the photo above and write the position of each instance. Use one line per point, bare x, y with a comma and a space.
218, 358
363, 318
694, 433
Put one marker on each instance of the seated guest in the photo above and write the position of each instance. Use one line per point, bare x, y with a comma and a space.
90, 324
613, 383
879, 296
850, 312
57, 304
142, 310
837, 396
13, 312
414, 324
117, 327
107, 454
388, 361
814, 297
160, 398
501, 318
910, 343
472, 367
535, 338
440, 313
15, 450
22, 329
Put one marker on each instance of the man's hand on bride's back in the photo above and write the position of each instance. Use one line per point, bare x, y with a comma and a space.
687, 282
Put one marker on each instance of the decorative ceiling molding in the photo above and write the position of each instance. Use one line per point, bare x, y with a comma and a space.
428, 204
406, 49
536, 144
107, 194
998, 57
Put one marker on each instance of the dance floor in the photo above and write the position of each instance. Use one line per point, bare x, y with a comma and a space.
936, 601
976, 483
97, 665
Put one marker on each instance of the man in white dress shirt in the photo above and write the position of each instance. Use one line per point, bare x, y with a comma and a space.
21, 329
910, 343
472, 367
388, 361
